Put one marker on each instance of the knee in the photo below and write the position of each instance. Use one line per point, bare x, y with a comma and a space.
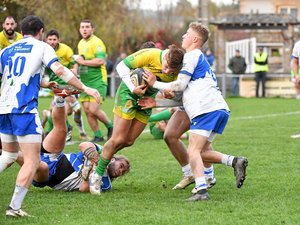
129, 143
169, 137
117, 143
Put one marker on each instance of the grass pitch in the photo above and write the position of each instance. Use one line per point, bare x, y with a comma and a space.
259, 129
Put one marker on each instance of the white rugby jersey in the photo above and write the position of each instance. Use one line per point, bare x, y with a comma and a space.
20, 72
201, 93
296, 51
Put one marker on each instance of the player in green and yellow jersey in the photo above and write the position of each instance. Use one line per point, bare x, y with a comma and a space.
92, 71
65, 57
9, 35
129, 119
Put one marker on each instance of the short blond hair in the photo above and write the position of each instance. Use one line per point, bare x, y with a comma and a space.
201, 29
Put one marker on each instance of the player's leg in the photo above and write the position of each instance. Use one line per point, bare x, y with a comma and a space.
238, 163
177, 125
96, 110
136, 128
93, 121
42, 173
219, 120
55, 140
76, 108
9, 151
115, 143
196, 145
29, 130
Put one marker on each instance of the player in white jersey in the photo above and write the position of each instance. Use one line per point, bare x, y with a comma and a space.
204, 105
295, 75
20, 127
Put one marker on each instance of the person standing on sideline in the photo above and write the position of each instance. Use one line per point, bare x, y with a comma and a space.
92, 72
260, 69
237, 65
209, 57
9, 34
21, 65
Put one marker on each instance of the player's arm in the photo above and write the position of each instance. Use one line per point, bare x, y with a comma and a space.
90, 151
66, 75
148, 103
98, 60
124, 72
47, 84
178, 85
95, 62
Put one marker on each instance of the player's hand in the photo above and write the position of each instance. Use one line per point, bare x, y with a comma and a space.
140, 90
93, 92
168, 94
49, 84
149, 77
147, 103
79, 59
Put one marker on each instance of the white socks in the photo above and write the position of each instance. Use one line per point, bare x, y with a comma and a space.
187, 170
209, 172
18, 197
227, 160
200, 183
59, 101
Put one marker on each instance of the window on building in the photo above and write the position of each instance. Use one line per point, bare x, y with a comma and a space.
275, 52
294, 12
283, 10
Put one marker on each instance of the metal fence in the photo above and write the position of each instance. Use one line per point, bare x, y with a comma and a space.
224, 81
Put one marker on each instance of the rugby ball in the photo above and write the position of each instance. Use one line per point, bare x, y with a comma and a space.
136, 77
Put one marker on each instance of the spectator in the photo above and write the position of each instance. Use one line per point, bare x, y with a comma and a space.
237, 65
209, 56
261, 68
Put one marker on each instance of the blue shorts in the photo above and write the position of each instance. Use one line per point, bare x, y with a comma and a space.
213, 121
20, 124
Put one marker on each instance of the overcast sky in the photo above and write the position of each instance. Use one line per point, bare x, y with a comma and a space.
147, 4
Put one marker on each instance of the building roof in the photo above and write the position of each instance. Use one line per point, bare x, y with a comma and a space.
255, 21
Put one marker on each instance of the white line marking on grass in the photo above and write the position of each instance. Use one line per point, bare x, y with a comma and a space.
265, 116
252, 117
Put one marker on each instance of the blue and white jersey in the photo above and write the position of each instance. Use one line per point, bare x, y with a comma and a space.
202, 95
65, 171
20, 72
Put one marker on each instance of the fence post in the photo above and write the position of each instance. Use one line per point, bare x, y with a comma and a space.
112, 84
224, 85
